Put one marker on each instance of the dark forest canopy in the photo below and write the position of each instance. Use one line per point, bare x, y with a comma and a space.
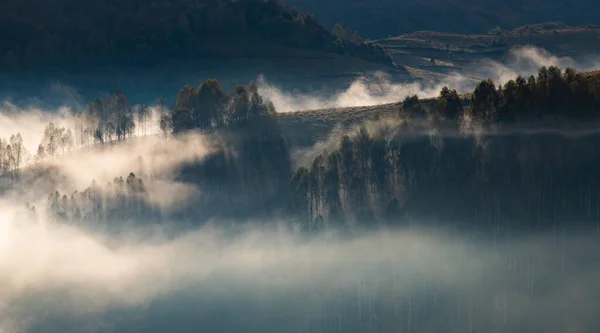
391, 174
247, 175
426, 163
137, 32
392, 17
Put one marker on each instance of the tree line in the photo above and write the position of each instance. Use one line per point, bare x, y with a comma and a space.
102, 121
13, 154
114, 118
401, 173
397, 173
207, 108
552, 94
247, 174
122, 200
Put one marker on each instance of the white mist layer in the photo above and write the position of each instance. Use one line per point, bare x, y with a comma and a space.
151, 158
30, 122
82, 276
380, 89
546, 283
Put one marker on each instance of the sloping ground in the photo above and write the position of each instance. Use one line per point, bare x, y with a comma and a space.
381, 18
305, 71
555, 37
446, 52
69, 33
305, 128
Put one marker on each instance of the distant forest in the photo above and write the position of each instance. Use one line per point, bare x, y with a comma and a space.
64, 33
484, 159
380, 19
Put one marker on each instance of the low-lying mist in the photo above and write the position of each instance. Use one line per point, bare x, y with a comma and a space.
379, 89
270, 275
59, 278
373, 89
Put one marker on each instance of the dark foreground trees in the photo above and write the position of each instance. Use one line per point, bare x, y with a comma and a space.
250, 172
552, 94
397, 174
246, 176
431, 171
489, 181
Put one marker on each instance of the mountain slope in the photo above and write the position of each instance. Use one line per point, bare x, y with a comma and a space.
67, 33
379, 19
444, 52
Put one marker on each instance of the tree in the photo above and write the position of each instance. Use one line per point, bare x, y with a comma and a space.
412, 105
240, 106
9, 160
485, 100
16, 141
99, 135
41, 153
212, 99
143, 113
181, 120
53, 139
125, 126
449, 103
67, 141
165, 123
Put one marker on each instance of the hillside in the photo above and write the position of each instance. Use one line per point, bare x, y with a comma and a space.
305, 128
555, 37
439, 52
379, 19
423, 152
69, 33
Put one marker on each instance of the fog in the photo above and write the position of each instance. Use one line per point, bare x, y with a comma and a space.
270, 279
265, 276
149, 157
379, 88
365, 91
30, 122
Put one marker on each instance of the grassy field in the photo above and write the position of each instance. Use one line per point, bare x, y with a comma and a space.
425, 52
305, 128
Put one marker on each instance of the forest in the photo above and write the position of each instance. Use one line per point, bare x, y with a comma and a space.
249, 182
487, 157
528, 179
139, 33
358, 185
